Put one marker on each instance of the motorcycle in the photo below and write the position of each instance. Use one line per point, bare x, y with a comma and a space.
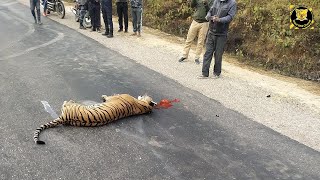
86, 19
56, 6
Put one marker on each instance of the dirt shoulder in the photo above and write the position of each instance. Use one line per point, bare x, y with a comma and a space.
293, 108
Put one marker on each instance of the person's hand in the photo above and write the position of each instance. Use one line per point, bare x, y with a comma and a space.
215, 18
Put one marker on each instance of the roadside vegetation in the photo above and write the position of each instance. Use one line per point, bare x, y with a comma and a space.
260, 34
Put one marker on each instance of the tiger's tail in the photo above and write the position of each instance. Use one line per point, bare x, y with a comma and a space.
51, 124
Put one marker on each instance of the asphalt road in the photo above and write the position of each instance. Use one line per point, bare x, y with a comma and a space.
197, 138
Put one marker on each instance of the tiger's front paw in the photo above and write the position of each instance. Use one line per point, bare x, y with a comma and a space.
104, 98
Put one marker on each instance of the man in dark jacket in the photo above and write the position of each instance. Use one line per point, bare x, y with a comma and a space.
95, 14
198, 27
220, 15
107, 17
122, 11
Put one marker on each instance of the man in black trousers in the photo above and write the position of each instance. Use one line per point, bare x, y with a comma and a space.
219, 16
122, 10
107, 17
94, 10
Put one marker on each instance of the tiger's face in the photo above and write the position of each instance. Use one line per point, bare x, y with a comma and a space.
147, 99
302, 14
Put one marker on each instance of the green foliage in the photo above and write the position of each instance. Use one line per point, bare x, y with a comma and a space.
169, 16
261, 32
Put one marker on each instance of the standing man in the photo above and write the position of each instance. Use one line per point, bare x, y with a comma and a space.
220, 15
107, 17
83, 8
122, 10
35, 4
136, 10
94, 10
198, 27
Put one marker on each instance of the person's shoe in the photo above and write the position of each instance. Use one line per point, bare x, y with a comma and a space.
92, 30
197, 61
39, 22
120, 30
134, 34
105, 33
215, 76
125, 31
82, 27
139, 34
98, 30
44, 14
110, 35
182, 59
203, 77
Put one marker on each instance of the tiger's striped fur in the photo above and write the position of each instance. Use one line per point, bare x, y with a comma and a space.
113, 108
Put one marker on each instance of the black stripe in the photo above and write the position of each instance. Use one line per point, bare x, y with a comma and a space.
89, 119
118, 113
130, 105
104, 110
100, 115
112, 112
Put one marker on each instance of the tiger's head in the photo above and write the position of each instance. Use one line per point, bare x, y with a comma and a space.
147, 99
302, 14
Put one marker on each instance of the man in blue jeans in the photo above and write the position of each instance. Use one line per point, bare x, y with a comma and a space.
35, 4
136, 10
219, 16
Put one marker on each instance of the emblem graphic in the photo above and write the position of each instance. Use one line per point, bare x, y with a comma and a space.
301, 17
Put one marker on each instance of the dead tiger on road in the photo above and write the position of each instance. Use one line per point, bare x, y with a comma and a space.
113, 108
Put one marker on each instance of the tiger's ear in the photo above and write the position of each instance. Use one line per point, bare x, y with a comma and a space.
152, 103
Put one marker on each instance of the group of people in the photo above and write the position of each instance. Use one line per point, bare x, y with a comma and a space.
95, 7
211, 21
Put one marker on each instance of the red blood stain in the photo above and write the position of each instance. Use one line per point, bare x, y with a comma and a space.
165, 103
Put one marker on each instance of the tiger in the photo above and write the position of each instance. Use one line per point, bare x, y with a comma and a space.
113, 108
302, 14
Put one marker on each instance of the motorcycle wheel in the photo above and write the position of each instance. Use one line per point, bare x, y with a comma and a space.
61, 10
87, 20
